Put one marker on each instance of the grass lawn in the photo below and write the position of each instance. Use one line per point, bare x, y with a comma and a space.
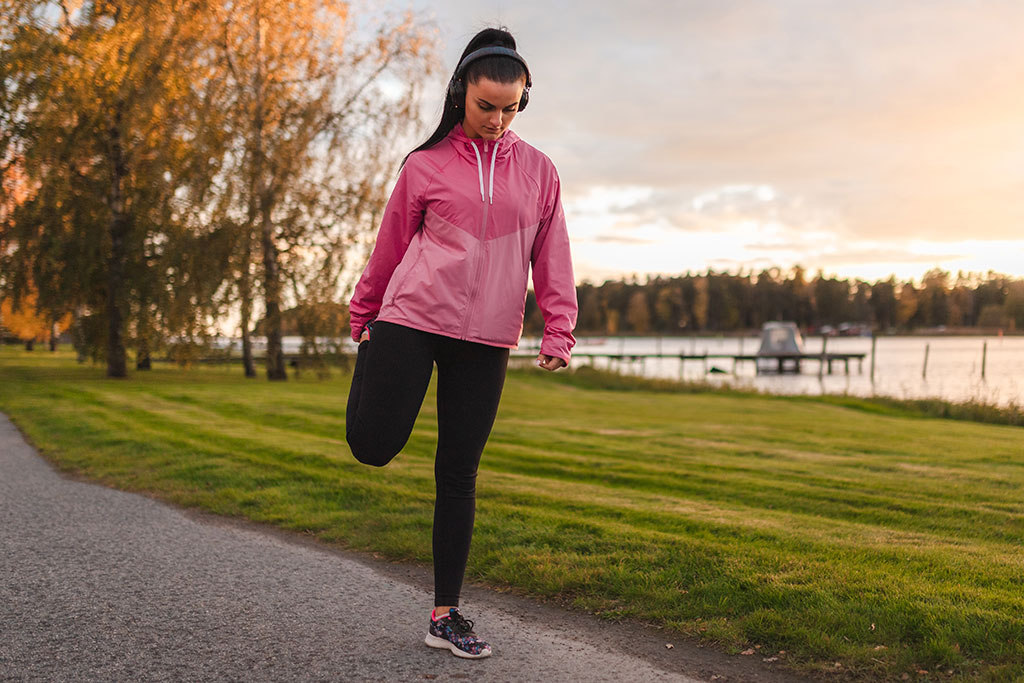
886, 542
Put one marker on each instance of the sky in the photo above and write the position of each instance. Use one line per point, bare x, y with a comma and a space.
862, 138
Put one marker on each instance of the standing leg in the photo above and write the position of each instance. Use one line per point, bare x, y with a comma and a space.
470, 377
391, 376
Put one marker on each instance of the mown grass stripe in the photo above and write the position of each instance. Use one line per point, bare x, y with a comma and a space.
790, 523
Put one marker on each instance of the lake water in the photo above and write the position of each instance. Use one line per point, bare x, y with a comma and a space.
953, 370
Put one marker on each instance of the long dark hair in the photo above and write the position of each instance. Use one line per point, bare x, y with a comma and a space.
497, 68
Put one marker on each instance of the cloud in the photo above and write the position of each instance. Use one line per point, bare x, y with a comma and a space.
622, 239
882, 121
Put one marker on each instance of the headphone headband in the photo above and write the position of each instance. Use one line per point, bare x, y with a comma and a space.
489, 51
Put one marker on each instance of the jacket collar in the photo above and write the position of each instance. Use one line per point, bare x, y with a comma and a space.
464, 144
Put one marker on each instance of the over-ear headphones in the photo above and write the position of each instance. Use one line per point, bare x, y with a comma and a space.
457, 87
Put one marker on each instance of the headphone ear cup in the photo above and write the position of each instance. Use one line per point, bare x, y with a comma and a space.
524, 99
457, 92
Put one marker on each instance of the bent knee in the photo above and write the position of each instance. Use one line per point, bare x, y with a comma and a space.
374, 452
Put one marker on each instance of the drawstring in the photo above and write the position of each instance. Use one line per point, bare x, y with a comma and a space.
494, 155
479, 170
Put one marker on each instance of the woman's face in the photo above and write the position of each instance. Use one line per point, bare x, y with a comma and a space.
490, 107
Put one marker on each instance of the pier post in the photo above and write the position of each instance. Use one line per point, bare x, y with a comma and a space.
874, 344
924, 369
821, 361
984, 357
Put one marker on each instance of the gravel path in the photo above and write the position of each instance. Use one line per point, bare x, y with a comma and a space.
101, 585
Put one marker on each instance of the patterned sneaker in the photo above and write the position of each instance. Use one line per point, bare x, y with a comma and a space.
455, 632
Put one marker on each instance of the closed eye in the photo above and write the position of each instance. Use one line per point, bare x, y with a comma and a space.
487, 106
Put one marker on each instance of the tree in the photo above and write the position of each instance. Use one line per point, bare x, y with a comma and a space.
831, 299
313, 113
1014, 306
884, 304
908, 306
638, 314
935, 298
27, 324
98, 91
168, 146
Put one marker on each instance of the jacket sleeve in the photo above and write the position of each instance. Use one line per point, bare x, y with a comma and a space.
553, 281
403, 216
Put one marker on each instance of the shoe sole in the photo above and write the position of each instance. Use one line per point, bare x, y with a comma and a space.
442, 644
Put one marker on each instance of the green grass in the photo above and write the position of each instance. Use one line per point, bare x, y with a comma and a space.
831, 529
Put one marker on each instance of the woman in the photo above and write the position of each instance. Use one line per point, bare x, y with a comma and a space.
473, 209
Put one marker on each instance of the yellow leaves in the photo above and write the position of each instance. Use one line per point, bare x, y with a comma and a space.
26, 323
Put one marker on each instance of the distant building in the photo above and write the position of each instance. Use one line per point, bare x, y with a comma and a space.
782, 347
780, 338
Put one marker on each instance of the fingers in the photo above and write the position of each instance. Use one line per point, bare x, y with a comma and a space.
549, 363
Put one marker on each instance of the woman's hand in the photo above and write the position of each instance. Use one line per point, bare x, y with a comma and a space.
550, 363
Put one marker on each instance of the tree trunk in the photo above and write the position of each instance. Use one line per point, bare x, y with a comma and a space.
30, 344
245, 292
142, 358
142, 350
272, 296
271, 277
119, 222
78, 335
53, 336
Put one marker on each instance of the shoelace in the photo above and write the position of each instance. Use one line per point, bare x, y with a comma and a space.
461, 624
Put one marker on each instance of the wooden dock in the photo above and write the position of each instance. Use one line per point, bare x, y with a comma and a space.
778, 362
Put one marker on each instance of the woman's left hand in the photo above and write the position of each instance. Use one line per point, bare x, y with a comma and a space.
549, 362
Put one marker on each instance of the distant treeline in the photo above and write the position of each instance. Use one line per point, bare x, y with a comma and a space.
723, 302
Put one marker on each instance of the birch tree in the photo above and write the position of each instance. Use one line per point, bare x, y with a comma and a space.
97, 95
316, 103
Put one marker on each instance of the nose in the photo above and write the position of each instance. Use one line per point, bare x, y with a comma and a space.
496, 119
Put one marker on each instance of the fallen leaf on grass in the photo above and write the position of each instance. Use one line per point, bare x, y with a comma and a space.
770, 659
669, 646
748, 651
881, 647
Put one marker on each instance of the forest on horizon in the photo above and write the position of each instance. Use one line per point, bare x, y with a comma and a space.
726, 302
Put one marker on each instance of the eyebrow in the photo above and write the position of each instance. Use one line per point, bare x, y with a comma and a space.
481, 100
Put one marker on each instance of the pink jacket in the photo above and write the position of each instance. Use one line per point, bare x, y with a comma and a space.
465, 222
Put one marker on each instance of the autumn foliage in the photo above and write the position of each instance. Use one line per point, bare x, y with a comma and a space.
27, 324
183, 163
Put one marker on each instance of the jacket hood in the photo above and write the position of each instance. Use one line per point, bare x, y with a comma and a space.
479, 151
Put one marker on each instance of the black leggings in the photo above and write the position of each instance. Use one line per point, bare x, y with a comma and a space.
391, 376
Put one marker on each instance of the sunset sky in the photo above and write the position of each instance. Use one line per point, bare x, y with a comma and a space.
865, 138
